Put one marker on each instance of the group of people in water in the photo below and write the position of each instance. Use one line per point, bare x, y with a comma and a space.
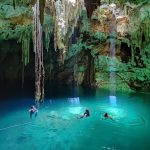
33, 111
87, 114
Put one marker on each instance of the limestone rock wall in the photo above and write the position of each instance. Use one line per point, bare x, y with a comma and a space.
108, 38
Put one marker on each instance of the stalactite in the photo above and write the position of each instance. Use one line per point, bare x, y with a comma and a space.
14, 4
132, 54
41, 9
48, 28
139, 26
38, 49
25, 43
66, 13
47, 37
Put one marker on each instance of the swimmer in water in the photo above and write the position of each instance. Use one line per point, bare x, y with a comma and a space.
86, 114
106, 116
33, 110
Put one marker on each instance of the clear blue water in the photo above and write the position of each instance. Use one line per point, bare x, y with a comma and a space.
57, 128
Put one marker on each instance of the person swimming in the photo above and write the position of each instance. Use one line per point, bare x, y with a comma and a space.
106, 116
86, 114
33, 110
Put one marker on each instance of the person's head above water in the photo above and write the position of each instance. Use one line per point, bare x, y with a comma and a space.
33, 108
106, 115
87, 112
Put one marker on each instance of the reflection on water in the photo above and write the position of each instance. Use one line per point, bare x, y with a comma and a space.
113, 100
75, 101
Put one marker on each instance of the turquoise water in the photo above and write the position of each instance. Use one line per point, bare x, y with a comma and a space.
57, 127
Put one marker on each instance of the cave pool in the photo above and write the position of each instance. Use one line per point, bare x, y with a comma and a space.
57, 128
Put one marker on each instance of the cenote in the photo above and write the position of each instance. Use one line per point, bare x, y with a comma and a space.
74, 74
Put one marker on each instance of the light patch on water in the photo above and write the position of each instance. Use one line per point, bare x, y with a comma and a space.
108, 148
55, 113
65, 113
113, 100
75, 110
74, 101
